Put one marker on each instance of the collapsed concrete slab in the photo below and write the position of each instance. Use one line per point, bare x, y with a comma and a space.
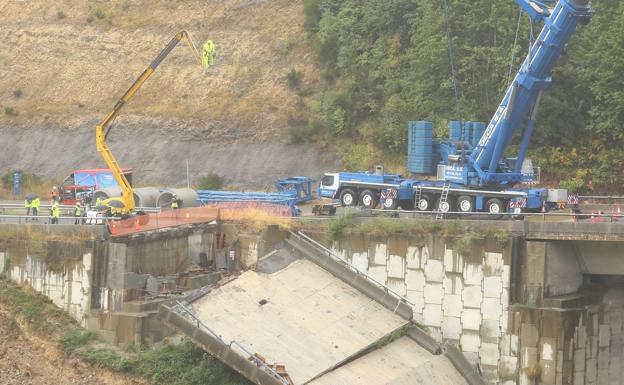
301, 317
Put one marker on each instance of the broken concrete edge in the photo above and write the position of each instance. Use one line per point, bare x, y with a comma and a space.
462, 365
218, 349
424, 340
163, 232
389, 338
352, 278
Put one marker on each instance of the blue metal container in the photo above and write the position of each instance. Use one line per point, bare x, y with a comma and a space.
478, 128
455, 130
420, 147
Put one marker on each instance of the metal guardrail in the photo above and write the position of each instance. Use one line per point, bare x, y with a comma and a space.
346, 263
188, 312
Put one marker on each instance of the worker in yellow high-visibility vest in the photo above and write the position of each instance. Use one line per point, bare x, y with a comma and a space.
55, 213
34, 205
209, 52
27, 206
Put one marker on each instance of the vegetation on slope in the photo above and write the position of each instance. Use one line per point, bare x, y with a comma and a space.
181, 364
386, 63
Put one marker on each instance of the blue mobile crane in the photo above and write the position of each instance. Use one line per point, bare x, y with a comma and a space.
472, 172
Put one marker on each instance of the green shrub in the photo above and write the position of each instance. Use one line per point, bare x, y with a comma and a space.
338, 226
211, 181
76, 338
293, 78
17, 93
10, 111
60, 15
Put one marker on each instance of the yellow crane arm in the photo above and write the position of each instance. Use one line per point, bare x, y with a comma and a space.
127, 196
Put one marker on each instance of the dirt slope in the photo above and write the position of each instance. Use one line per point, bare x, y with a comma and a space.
64, 64
26, 359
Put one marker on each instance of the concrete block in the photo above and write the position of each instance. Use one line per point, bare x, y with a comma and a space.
505, 299
506, 276
548, 373
528, 357
591, 370
579, 360
615, 320
453, 262
432, 315
491, 309
452, 305
396, 266
492, 287
579, 378
470, 342
493, 264
379, 273
397, 285
505, 344
434, 271
453, 284
418, 299
508, 368
380, 256
605, 336
580, 337
603, 377
490, 331
434, 293
451, 328
360, 261
471, 319
615, 371
548, 348
592, 347
472, 358
528, 335
603, 359
473, 274
504, 320
415, 280
489, 353
413, 259
472, 296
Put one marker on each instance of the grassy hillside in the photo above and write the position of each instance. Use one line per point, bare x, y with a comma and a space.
66, 63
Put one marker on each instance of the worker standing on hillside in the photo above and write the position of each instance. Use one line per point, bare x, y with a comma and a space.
34, 205
209, 52
78, 213
55, 213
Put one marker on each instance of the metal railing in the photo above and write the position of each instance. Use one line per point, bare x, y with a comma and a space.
349, 266
190, 314
18, 206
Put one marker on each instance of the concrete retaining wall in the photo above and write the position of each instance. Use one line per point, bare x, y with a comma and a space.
461, 297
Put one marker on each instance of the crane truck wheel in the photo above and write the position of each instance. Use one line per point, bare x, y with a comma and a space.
368, 199
389, 203
494, 206
348, 198
425, 203
444, 207
465, 204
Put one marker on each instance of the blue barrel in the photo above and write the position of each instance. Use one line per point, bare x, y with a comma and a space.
478, 129
420, 147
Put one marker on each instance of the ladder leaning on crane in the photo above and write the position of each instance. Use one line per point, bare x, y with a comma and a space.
206, 59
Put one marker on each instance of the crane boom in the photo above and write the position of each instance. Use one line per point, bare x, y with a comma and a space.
101, 132
520, 103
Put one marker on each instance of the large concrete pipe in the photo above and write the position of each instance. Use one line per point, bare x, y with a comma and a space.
187, 196
108, 192
146, 196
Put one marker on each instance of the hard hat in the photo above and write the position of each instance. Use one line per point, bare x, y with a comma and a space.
77, 203
54, 187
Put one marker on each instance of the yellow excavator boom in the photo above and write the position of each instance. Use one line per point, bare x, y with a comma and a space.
101, 132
